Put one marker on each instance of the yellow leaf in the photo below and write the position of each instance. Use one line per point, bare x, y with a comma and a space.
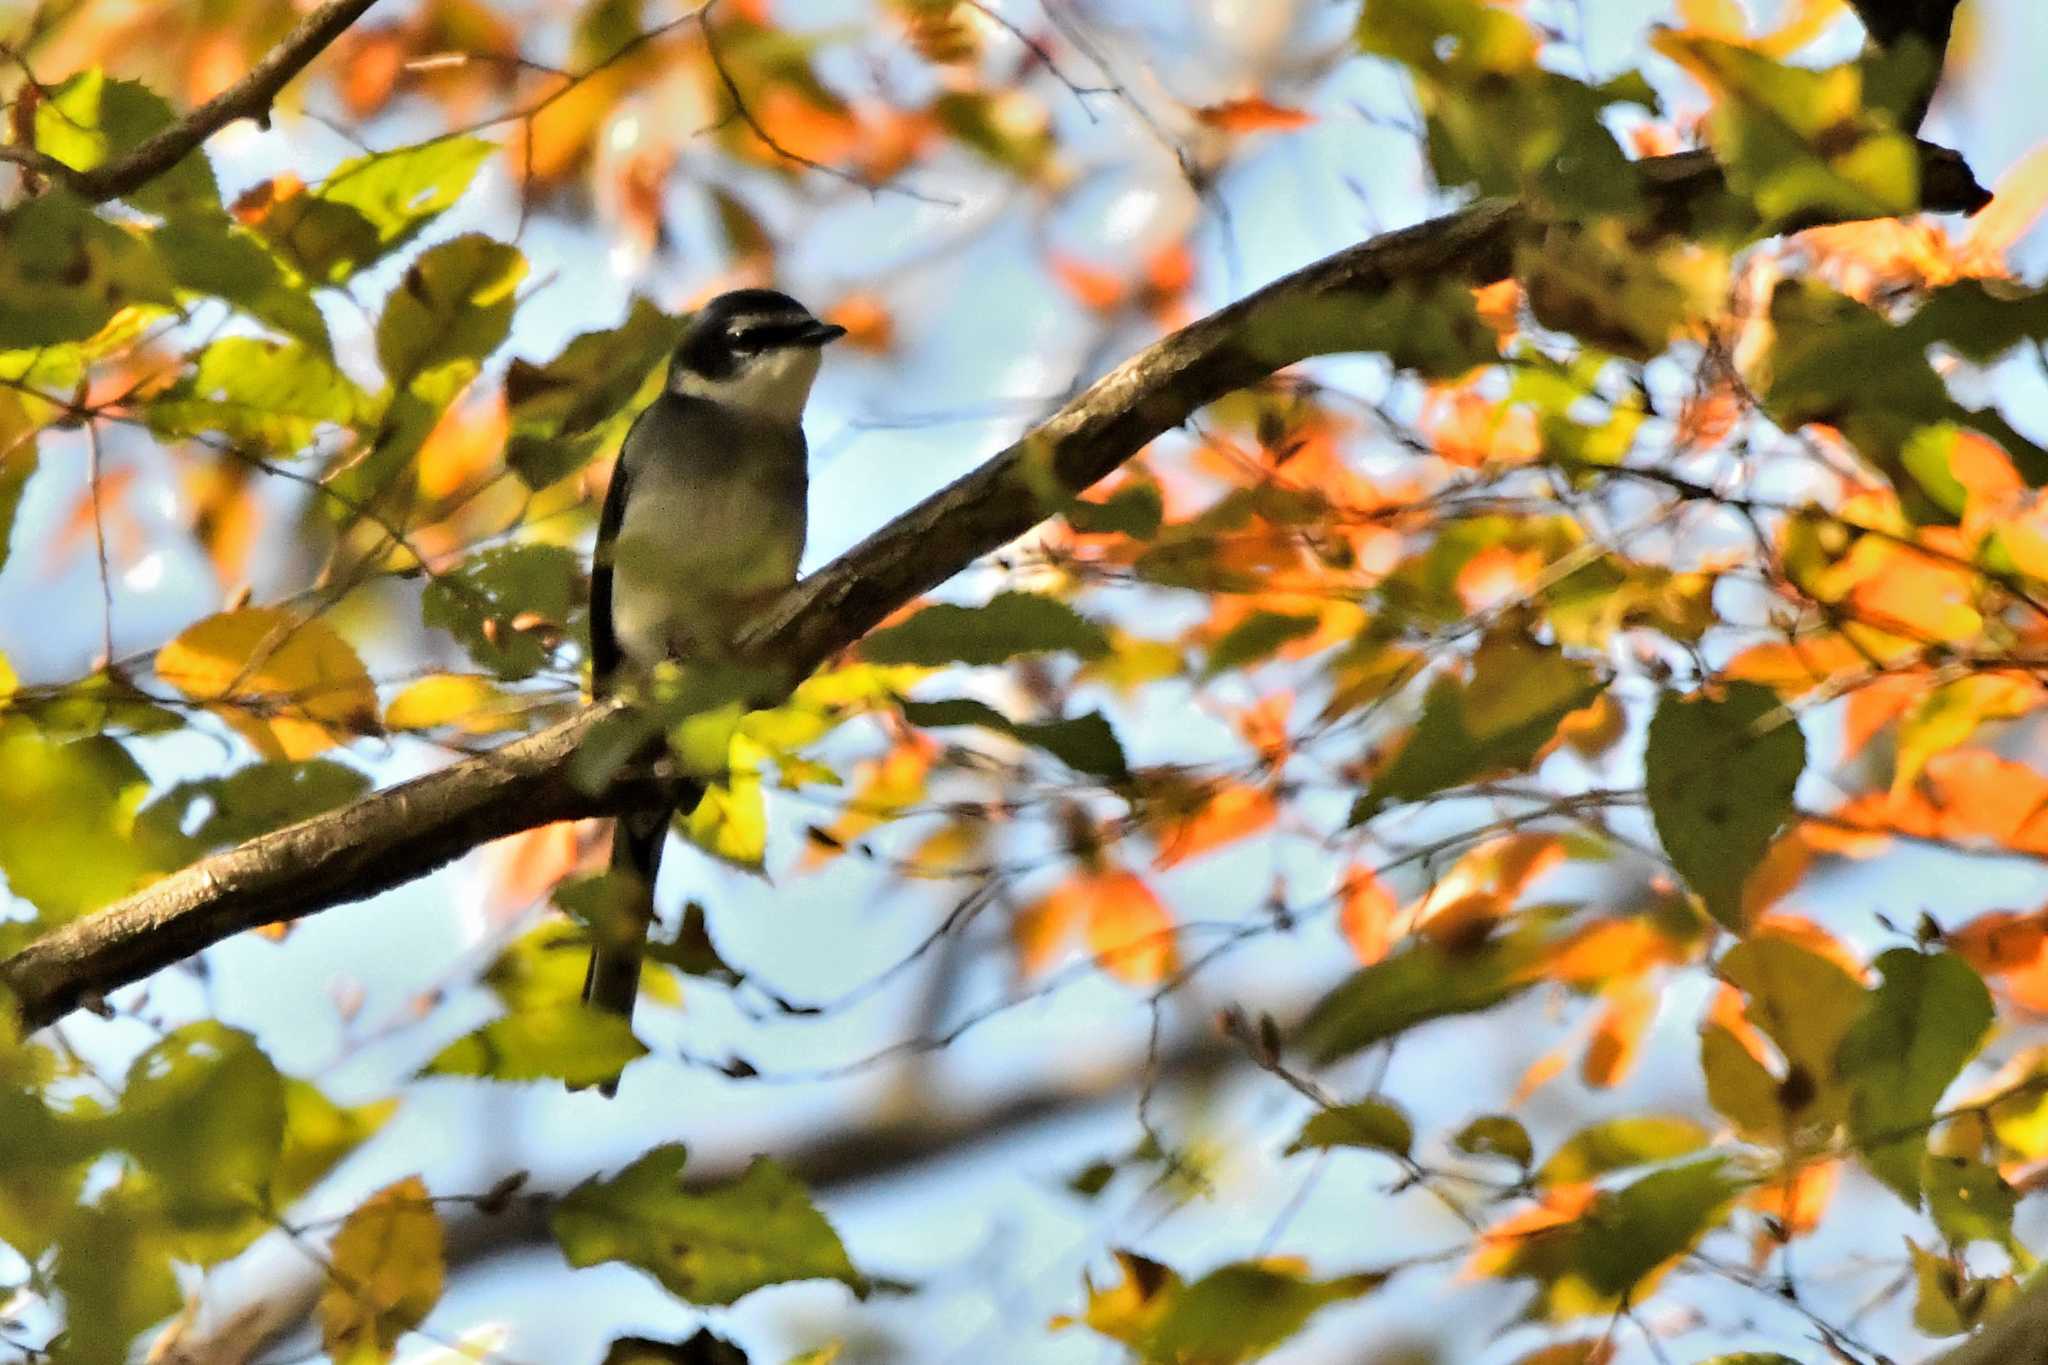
469, 704
387, 1268
292, 688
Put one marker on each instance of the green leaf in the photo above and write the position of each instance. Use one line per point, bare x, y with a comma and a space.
276, 394
1720, 786
1968, 1199
1615, 1144
452, 309
1496, 1135
1242, 1312
90, 120
203, 1113
65, 272
1134, 510
1497, 722
1257, 638
209, 254
113, 1267
318, 1134
1379, 1125
17, 465
1084, 743
1917, 1031
1008, 625
1806, 1005
248, 802
477, 600
570, 1042
1798, 143
1626, 1238
1431, 328
565, 411
372, 205
1423, 981
67, 813
713, 1246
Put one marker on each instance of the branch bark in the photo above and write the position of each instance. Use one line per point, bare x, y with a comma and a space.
395, 835
250, 97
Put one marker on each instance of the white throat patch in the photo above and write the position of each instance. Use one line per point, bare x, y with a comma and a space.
773, 384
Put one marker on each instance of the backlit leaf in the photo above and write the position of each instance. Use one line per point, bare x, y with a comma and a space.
1920, 1027
709, 1247
570, 1042
291, 687
1375, 1124
387, 1265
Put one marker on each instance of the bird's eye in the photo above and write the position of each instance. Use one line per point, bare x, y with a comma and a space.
747, 338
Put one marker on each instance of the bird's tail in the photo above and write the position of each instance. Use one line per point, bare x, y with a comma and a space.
613, 981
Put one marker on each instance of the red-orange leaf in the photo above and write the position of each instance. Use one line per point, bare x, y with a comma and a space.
1253, 115
1129, 928
1365, 913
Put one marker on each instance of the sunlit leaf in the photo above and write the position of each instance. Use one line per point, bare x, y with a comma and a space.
710, 1247
273, 394
203, 1112
65, 272
67, 816
292, 687
1616, 1144
90, 120
570, 1042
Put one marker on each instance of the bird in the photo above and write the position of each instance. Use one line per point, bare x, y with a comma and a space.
703, 524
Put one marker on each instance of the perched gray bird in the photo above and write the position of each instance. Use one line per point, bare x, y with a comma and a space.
702, 525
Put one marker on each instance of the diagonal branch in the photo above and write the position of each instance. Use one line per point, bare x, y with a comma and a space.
392, 836
249, 97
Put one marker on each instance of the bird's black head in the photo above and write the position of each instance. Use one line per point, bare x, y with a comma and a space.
754, 349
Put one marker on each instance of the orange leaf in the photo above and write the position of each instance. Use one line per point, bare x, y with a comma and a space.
1229, 813
1500, 1244
1607, 949
2002, 941
1541, 1072
1129, 929
1252, 115
531, 863
1799, 1199
1096, 289
1499, 306
1618, 1037
881, 789
1042, 929
1365, 913
867, 320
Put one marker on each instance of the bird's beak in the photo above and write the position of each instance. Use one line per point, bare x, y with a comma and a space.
819, 333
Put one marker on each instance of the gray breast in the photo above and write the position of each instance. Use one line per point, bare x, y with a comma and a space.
713, 526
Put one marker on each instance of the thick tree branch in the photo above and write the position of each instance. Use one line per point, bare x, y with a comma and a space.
249, 97
397, 834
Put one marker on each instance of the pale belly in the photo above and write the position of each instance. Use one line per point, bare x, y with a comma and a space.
695, 560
